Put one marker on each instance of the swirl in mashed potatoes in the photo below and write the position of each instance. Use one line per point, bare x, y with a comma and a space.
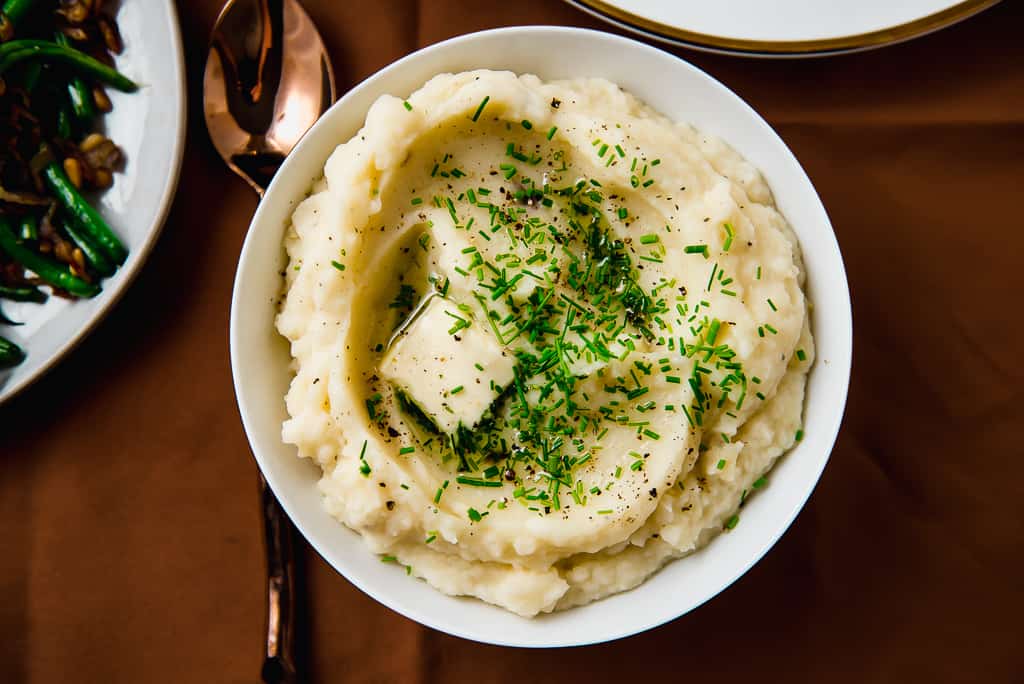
545, 340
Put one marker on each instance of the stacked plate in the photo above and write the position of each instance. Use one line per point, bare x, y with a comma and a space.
783, 28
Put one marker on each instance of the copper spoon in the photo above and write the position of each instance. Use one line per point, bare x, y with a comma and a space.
268, 79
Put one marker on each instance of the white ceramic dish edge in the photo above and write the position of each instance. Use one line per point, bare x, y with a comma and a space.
781, 50
260, 384
116, 287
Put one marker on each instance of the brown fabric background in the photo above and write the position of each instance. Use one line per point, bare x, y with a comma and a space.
130, 548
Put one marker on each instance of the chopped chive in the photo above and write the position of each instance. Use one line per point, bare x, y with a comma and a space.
476, 482
551, 132
673, 379
474, 515
605, 511
721, 462
602, 150
364, 467
732, 522
772, 304
758, 276
801, 354
648, 239
526, 123
769, 328
697, 249
406, 450
638, 392
799, 435
760, 482
456, 390
432, 537
407, 106
339, 266
623, 212
621, 152
652, 434
712, 333
729, 236
480, 109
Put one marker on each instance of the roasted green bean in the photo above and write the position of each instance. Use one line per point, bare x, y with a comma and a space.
10, 354
50, 271
78, 209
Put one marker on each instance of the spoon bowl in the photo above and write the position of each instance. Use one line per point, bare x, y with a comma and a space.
268, 79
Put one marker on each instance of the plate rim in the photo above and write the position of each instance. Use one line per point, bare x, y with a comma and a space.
792, 48
131, 272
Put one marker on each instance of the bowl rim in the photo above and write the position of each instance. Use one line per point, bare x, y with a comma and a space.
841, 360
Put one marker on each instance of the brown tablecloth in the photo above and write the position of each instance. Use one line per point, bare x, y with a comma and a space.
130, 547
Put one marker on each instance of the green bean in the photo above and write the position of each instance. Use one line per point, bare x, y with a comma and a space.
10, 354
63, 119
28, 229
51, 272
79, 92
32, 73
23, 293
17, 9
15, 45
100, 263
78, 209
51, 52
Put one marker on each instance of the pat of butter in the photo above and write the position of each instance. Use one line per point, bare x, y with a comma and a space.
452, 373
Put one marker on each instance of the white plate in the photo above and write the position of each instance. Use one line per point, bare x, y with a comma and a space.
149, 125
782, 28
260, 359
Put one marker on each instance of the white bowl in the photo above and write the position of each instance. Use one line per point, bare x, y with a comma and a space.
260, 359
149, 125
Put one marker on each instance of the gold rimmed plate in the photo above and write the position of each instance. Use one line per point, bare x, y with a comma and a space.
783, 28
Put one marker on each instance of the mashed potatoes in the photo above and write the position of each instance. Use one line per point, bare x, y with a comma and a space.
545, 340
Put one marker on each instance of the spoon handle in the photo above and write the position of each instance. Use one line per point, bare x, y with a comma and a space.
278, 667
